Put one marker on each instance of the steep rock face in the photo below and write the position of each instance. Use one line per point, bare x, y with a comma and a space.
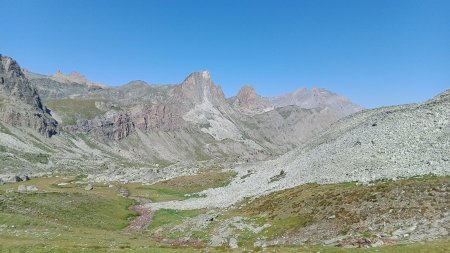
198, 88
21, 105
119, 125
113, 126
250, 102
317, 97
14, 84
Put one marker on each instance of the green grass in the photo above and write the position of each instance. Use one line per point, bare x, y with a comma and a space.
291, 210
39, 144
181, 187
70, 219
32, 158
6, 130
72, 209
165, 217
35, 158
23, 246
278, 177
72, 109
88, 142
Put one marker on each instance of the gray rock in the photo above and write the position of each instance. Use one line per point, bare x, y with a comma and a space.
89, 187
18, 179
27, 188
233, 243
1, 182
21, 188
26, 108
31, 188
124, 192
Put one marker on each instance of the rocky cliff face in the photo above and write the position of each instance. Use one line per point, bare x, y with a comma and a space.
190, 120
198, 88
119, 125
250, 102
21, 105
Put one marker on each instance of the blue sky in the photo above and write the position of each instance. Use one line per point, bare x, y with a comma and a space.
374, 52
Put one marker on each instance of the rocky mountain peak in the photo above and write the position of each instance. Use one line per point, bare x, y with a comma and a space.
73, 77
246, 93
136, 84
247, 99
200, 78
14, 83
198, 88
22, 105
315, 98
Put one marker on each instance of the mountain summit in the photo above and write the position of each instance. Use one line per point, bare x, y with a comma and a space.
20, 104
249, 101
317, 97
198, 88
73, 77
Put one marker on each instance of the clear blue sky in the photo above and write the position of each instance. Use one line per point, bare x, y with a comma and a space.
374, 52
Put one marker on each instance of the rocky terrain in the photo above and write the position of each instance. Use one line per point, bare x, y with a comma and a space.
248, 101
20, 104
139, 123
385, 143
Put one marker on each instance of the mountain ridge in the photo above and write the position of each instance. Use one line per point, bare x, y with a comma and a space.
302, 97
25, 108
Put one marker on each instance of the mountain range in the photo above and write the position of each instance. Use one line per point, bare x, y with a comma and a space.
153, 124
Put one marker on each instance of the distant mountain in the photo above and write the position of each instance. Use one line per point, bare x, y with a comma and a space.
250, 102
317, 97
73, 77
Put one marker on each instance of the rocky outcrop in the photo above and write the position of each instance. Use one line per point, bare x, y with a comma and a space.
21, 105
119, 125
196, 89
316, 98
248, 101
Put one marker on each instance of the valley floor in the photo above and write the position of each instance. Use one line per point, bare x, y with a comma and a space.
410, 215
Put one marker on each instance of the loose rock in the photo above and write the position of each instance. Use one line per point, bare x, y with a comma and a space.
22, 188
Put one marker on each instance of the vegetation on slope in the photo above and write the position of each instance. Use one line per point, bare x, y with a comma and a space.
312, 214
66, 218
181, 187
70, 110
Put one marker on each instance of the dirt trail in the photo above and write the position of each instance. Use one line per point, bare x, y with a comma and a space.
145, 215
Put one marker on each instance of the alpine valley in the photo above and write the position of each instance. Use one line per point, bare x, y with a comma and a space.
147, 167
